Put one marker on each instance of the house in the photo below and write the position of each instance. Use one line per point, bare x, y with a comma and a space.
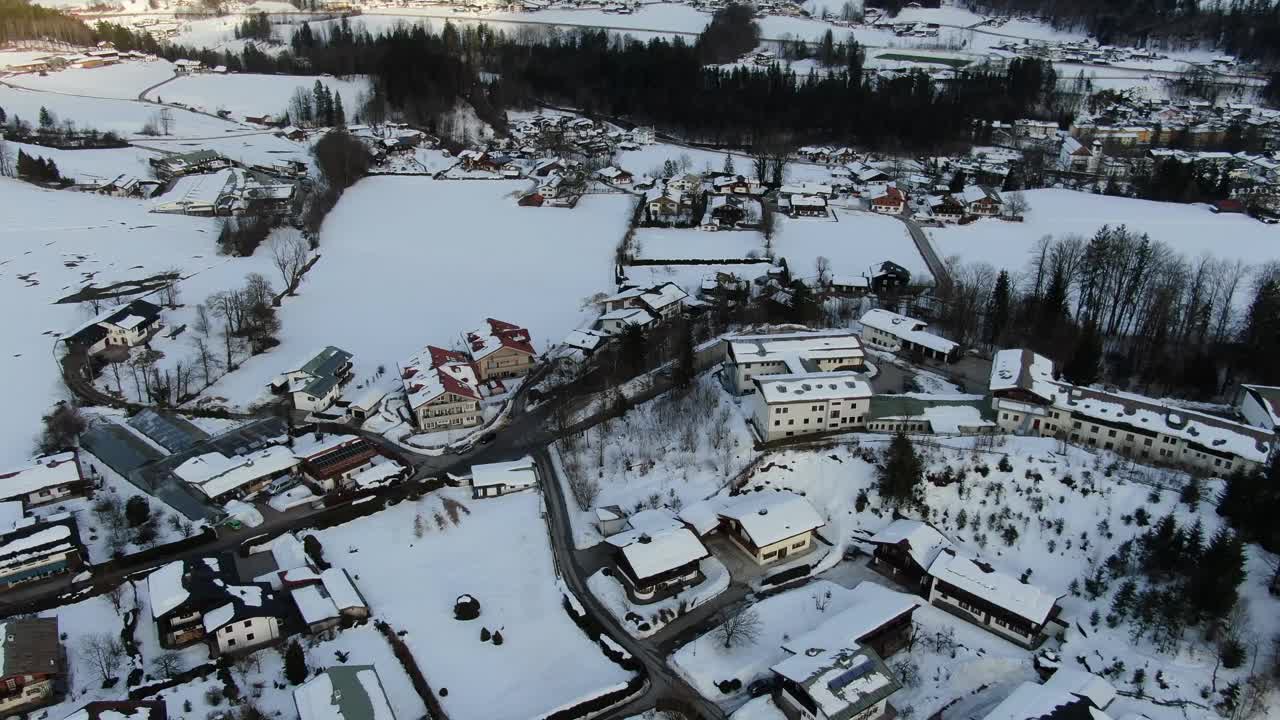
36, 549
876, 618
186, 67
731, 211
981, 201
834, 681
1073, 156
179, 164
315, 385
615, 322
892, 202
121, 710
345, 692
326, 599
342, 463
1028, 400
945, 208
668, 204
129, 186
770, 526
1259, 405
1067, 693
500, 350
660, 302
794, 352
34, 671
973, 590
807, 188
126, 326
501, 478
442, 389
806, 403
854, 286
546, 167
479, 160
808, 206
222, 478
898, 333
614, 175
904, 551
201, 600
585, 342
889, 276
657, 557
1228, 205
611, 520
736, 185
45, 479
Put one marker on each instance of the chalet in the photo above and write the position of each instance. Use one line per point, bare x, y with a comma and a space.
500, 350
806, 403
614, 175
945, 208
890, 331
876, 617
663, 301
796, 352
585, 342
547, 166
668, 204
1073, 156
771, 526
36, 549
343, 692
177, 165
552, 186
982, 201
657, 557
904, 551
222, 478
854, 286
822, 189
45, 479
34, 669
315, 385
973, 590
1259, 405
479, 160
643, 135
121, 710
807, 206
892, 202
687, 183
501, 478
128, 186
1028, 399
325, 599
342, 463
126, 326
442, 388
736, 185
201, 600
1067, 693
889, 276
187, 67
834, 681
615, 322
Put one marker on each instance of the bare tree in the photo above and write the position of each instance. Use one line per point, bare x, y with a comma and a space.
170, 293
822, 266
115, 596
167, 665
201, 324
166, 121
6, 159
1015, 203
62, 428
289, 255
738, 626
102, 652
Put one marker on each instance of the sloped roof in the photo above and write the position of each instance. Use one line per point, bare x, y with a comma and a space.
769, 517
923, 541
982, 580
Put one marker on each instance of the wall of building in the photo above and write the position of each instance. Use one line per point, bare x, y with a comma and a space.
33, 694
449, 411
504, 363
977, 616
245, 634
782, 420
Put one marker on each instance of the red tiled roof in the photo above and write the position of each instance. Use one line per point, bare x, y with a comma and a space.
440, 356
457, 387
511, 336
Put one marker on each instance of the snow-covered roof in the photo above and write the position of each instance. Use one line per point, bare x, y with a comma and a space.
349, 692
653, 553
769, 517
1269, 398
811, 346
520, 473
314, 604
1024, 370
803, 387
1004, 591
1065, 688
906, 328
21, 550
585, 339
662, 296
497, 335
215, 474
842, 681
1085, 684
923, 541
871, 607
40, 473
341, 591
704, 515
165, 589
433, 373
288, 553
218, 617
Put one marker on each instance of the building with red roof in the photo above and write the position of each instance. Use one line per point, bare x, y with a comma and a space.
499, 350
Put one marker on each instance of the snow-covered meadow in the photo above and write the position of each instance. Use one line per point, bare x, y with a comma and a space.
246, 94
696, 244
497, 551
124, 81
855, 243
124, 117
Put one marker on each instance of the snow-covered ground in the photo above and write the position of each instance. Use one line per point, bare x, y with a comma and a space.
1058, 516
247, 94
854, 244
90, 166
695, 244
125, 117
1191, 230
496, 551
408, 261
124, 81
645, 620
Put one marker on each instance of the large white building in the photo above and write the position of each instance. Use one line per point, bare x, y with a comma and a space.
893, 332
1028, 400
790, 405
797, 352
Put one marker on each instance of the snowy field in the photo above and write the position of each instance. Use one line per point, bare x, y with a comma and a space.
690, 277
854, 244
124, 81
84, 239
407, 261
1188, 229
696, 244
247, 94
497, 551
1059, 516
124, 117
88, 166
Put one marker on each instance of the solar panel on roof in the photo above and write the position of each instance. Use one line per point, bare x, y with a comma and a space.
848, 676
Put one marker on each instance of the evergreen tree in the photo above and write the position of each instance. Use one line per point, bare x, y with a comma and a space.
998, 313
958, 182
339, 114
1085, 365
1214, 583
46, 118
728, 164
1261, 337
3, 117
634, 349
901, 476
683, 371
295, 664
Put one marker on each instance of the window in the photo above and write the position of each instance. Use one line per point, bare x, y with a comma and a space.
806, 421
1147, 442
1111, 433
770, 554
1129, 437
791, 422
1004, 416
247, 623
231, 642
1076, 424
1093, 428
835, 413
797, 545
776, 423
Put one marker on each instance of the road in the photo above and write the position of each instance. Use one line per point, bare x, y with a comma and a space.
925, 247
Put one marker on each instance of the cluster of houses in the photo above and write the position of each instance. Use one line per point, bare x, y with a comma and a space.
444, 388
101, 55
1028, 398
1086, 51
36, 543
226, 192
642, 307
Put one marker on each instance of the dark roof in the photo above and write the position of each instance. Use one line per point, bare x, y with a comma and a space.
72, 537
31, 646
154, 708
148, 310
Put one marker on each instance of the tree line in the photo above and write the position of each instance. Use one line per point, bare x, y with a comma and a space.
20, 20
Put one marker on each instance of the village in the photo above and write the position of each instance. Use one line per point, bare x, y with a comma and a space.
342, 415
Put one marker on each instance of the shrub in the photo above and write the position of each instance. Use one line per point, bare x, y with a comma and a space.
295, 664
137, 510
497, 637
466, 608
213, 696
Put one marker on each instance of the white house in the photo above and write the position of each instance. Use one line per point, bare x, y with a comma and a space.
44, 480
890, 331
975, 591
805, 403
500, 478
838, 681
126, 326
315, 385
770, 526
794, 352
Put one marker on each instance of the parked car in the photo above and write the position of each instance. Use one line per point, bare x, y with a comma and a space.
487, 438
